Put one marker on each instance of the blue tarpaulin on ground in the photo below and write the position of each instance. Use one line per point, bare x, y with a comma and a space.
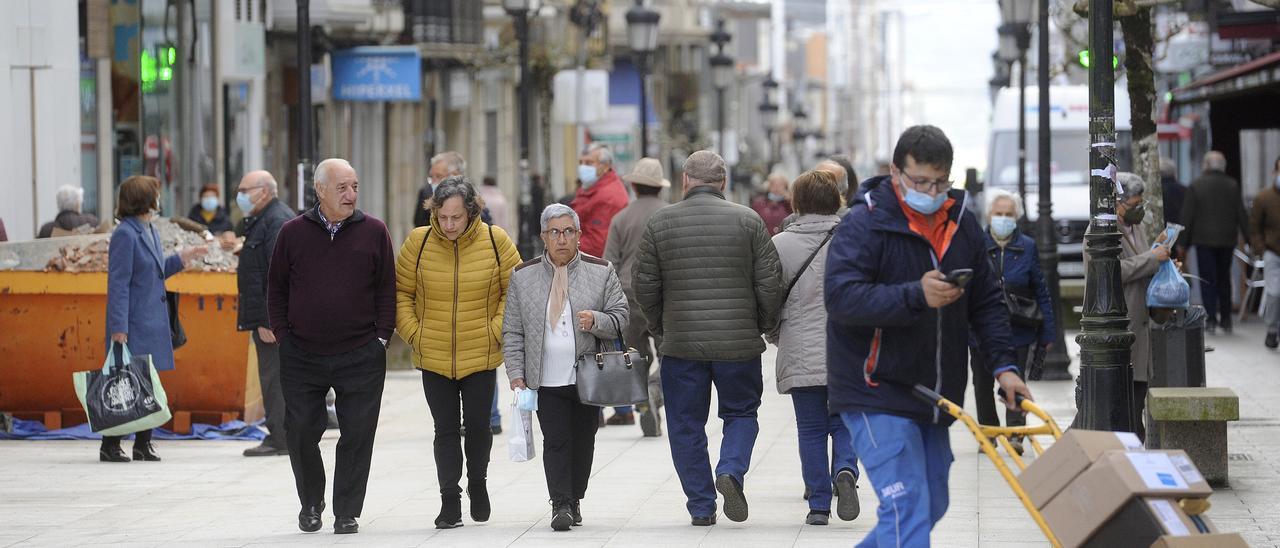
233, 430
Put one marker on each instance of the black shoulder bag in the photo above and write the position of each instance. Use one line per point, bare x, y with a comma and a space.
805, 266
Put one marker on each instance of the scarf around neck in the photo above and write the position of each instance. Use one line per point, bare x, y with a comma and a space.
559, 291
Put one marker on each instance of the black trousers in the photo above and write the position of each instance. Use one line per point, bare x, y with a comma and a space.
984, 386
272, 393
142, 436
476, 394
357, 378
1215, 290
568, 442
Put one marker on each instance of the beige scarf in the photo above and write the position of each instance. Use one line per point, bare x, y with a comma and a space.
559, 290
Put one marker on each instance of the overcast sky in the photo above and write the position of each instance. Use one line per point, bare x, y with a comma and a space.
948, 60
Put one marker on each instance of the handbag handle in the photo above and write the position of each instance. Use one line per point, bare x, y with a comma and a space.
120, 352
619, 346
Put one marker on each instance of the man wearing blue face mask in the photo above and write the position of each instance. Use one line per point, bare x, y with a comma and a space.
1017, 264
263, 217
894, 321
209, 212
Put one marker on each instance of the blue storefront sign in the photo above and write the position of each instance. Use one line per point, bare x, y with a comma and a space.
376, 73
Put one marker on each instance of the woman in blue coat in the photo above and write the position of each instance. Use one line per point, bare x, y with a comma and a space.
1015, 259
137, 312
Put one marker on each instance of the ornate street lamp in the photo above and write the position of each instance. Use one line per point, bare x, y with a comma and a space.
769, 115
1015, 38
799, 132
721, 77
1057, 361
642, 37
1105, 395
519, 12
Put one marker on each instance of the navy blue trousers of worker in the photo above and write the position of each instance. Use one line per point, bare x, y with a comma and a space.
686, 386
815, 426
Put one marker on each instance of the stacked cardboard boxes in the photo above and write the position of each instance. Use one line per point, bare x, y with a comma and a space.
1103, 489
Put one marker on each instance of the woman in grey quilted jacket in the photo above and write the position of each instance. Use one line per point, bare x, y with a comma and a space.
802, 349
557, 306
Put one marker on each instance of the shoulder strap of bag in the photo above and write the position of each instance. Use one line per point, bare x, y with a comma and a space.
425, 235
805, 266
496, 256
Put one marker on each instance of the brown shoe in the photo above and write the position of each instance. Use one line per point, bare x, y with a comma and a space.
621, 419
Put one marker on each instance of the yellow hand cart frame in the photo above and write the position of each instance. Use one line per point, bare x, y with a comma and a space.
1004, 436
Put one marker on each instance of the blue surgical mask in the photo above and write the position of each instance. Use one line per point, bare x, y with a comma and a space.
244, 203
209, 203
1002, 227
922, 202
587, 174
775, 197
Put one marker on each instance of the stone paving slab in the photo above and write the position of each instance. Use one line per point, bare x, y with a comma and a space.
55, 493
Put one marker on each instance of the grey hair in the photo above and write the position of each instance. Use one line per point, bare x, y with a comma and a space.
996, 194
705, 167
1215, 160
606, 154
454, 163
70, 198
559, 210
459, 186
1167, 167
1131, 185
323, 169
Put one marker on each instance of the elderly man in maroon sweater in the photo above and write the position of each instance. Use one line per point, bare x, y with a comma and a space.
331, 301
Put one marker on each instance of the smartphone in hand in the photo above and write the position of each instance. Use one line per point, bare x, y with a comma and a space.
959, 277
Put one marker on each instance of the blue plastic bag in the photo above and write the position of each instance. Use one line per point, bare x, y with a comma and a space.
1168, 289
526, 399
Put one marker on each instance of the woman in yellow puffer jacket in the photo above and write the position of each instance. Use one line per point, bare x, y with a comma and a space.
451, 290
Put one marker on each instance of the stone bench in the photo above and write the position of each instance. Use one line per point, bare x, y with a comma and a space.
1193, 420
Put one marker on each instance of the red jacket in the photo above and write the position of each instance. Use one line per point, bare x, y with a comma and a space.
772, 212
596, 207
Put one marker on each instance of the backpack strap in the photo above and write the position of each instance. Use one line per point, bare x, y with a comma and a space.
805, 266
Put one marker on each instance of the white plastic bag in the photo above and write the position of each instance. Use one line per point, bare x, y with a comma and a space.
520, 442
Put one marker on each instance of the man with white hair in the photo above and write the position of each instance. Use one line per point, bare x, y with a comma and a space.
264, 214
444, 165
1213, 212
69, 220
331, 301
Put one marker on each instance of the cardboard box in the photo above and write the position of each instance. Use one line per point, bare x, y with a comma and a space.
1218, 540
1067, 458
1094, 496
1142, 521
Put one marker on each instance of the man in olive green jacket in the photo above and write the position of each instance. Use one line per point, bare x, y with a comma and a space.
707, 278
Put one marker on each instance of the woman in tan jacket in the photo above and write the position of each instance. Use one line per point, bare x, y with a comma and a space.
451, 285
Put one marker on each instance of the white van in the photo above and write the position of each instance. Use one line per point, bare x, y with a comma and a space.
1069, 146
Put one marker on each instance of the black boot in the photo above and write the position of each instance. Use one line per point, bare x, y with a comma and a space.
142, 448
110, 450
450, 511
479, 496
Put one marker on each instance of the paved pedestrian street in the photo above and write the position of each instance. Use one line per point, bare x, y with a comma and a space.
56, 493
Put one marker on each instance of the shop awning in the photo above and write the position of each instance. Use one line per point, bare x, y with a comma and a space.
1244, 78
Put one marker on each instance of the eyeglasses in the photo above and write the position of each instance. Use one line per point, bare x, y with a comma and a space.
248, 189
555, 233
935, 186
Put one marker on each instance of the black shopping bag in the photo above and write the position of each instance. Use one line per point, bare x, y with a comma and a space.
123, 397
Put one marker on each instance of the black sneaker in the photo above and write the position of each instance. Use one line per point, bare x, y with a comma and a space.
1273, 340
561, 518
650, 424
705, 521
576, 511
846, 488
735, 504
817, 518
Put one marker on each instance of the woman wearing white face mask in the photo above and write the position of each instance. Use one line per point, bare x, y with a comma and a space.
1014, 256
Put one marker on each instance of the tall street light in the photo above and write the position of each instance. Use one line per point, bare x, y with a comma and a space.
799, 133
1105, 384
519, 12
1015, 38
1057, 360
721, 77
306, 135
768, 116
642, 36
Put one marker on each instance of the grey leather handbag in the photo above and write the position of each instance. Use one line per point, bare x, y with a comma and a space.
610, 378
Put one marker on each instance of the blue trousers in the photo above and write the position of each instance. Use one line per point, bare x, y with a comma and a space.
686, 385
814, 426
908, 463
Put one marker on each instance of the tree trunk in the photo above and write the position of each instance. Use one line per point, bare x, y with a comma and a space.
1139, 43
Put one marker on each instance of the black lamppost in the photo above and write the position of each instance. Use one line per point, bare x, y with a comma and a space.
306, 142
642, 36
519, 12
768, 116
799, 133
1105, 386
721, 77
1015, 38
1057, 360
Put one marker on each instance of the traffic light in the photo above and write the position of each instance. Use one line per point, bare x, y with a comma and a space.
1083, 57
